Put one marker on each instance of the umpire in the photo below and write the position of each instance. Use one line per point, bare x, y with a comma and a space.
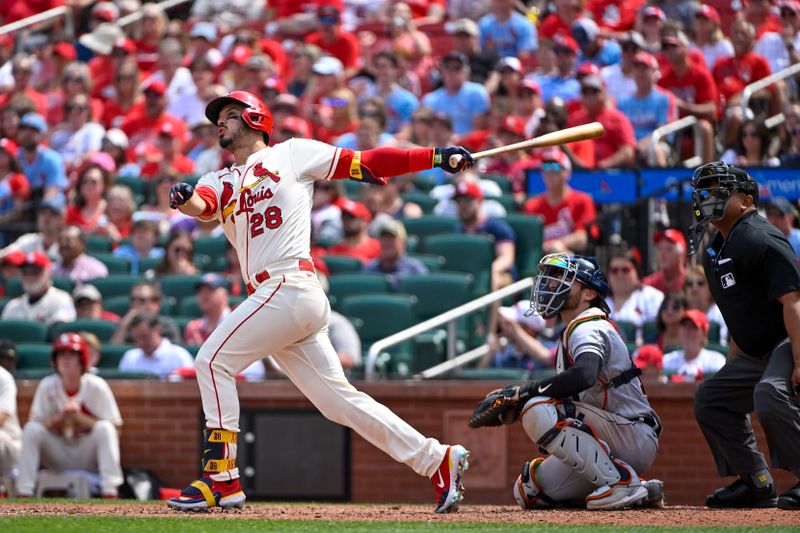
752, 273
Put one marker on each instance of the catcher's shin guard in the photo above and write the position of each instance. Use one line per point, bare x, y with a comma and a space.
219, 486
569, 439
627, 492
527, 491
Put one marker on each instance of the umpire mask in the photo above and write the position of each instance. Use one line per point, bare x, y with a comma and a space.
557, 273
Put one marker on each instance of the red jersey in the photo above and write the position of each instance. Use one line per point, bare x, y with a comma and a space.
75, 218
364, 252
656, 279
181, 165
695, 87
575, 212
553, 24
732, 74
345, 48
618, 130
614, 15
141, 128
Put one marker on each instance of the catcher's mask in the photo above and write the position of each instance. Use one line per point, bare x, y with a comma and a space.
714, 183
557, 273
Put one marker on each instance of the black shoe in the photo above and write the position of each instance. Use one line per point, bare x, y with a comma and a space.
790, 500
742, 495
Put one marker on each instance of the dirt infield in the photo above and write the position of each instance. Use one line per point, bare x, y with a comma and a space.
669, 516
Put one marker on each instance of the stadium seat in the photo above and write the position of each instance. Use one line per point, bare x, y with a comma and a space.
650, 332
3, 302
23, 331
97, 244
500, 179
343, 286
13, 287
115, 265
627, 330
713, 333
65, 284
148, 263
118, 305
102, 328
424, 200
34, 356
111, 355
181, 322
437, 292
340, 264
529, 231
211, 246
116, 285
137, 185
179, 287
433, 262
428, 225
508, 202
472, 254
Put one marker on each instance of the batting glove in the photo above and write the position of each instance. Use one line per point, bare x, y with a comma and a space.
179, 194
441, 159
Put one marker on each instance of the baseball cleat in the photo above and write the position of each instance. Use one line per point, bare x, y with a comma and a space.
743, 495
790, 500
655, 494
526, 488
206, 493
627, 492
447, 479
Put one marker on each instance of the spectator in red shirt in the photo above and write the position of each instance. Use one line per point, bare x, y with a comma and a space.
22, 71
75, 81
151, 31
167, 158
671, 259
693, 87
560, 21
528, 105
144, 122
357, 243
617, 147
566, 212
14, 188
614, 15
124, 94
88, 204
89, 304
331, 38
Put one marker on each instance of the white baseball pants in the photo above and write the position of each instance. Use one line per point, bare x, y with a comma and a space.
287, 317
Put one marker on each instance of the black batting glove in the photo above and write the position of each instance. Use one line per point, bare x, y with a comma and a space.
179, 194
441, 159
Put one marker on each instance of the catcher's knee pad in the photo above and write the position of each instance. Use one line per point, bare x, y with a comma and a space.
527, 490
569, 439
219, 453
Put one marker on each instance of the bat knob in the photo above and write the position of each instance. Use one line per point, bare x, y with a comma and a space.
454, 160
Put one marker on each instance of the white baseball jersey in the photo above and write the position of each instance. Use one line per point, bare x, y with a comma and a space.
264, 205
8, 404
706, 362
640, 307
55, 306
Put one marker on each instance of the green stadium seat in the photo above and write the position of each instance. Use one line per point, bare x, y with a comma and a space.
23, 331
352, 189
182, 321
13, 287
627, 329
342, 286
211, 246
97, 244
113, 373
428, 225
115, 265
529, 231
3, 302
508, 202
650, 331
424, 200
472, 254
116, 285
433, 262
148, 263
180, 286
65, 284
111, 355
117, 304
713, 334
424, 183
437, 292
135, 183
500, 179
340, 264
188, 307
102, 328
34, 356
382, 315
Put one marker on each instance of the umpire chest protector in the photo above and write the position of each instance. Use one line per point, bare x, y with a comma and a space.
746, 274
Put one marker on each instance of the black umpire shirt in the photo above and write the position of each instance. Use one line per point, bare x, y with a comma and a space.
747, 274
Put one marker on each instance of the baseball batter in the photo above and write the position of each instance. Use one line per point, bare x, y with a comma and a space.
592, 417
263, 203
74, 421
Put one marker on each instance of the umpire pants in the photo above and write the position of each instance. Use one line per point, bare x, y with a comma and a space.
723, 402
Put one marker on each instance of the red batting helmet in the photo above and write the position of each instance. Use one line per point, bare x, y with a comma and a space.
74, 343
256, 115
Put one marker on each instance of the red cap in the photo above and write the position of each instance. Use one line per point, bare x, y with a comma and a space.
565, 41
74, 343
156, 86
65, 50
355, 209
513, 124
649, 356
531, 86
9, 146
38, 259
6, 41
15, 258
646, 58
167, 128
673, 235
469, 189
708, 12
106, 11
241, 54
588, 68
296, 125
556, 155
654, 11
697, 318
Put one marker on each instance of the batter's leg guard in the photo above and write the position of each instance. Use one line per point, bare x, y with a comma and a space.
527, 490
219, 486
575, 443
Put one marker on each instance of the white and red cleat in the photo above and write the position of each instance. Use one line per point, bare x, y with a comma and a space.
206, 493
447, 479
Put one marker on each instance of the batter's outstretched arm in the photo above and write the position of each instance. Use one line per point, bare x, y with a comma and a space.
373, 166
183, 198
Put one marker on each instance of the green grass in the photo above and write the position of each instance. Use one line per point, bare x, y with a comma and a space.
188, 524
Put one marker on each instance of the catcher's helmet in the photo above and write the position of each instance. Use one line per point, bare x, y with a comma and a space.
557, 273
714, 183
74, 343
256, 115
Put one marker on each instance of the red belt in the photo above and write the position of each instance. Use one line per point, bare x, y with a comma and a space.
261, 277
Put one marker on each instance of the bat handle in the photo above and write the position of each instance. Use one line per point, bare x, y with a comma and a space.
454, 160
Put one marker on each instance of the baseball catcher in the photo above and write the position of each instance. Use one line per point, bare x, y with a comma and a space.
592, 418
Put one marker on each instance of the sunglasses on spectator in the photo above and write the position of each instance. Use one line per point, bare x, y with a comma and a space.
590, 91
551, 166
788, 13
694, 283
630, 47
453, 66
674, 306
76, 107
121, 77
795, 131
181, 250
620, 270
143, 299
31, 270
665, 46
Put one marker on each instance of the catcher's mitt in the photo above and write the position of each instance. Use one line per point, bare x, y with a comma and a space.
501, 406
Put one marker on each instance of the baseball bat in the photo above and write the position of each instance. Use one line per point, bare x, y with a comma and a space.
556, 138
